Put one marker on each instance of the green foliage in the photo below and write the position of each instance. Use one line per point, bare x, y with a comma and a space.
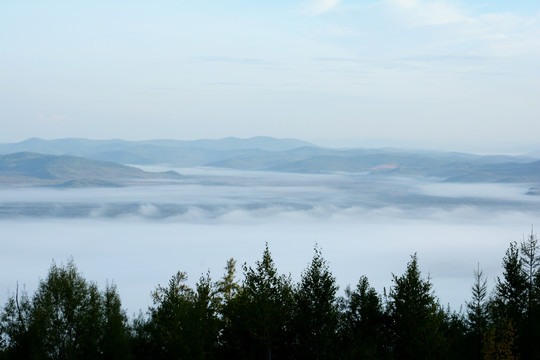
477, 308
477, 314
67, 318
184, 322
316, 311
510, 292
15, 321
258, 325
416, 316
529, 330
530, 263
228, 287
363, 323
268, 316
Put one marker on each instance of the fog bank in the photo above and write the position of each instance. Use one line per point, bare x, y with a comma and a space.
138, 255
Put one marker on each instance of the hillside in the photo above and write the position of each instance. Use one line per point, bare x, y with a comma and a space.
261, 153
173, 152
28, 167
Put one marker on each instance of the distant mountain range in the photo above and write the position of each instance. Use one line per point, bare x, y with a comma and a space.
70, 171
171, 152
72, 159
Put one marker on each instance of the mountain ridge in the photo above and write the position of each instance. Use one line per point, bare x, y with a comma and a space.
54, 169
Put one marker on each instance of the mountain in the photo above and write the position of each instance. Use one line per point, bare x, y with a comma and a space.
271, 154
173, 152
506, 172
452, 167
28, 167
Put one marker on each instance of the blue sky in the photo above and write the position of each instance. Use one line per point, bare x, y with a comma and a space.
423, 71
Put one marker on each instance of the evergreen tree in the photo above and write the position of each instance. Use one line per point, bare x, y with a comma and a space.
141, 338
115, 341
416, 316
454, 330
184, 322
363, 323
530, 263
510, 299
530, 328
260, 316
316, 311
206, 324
477, 313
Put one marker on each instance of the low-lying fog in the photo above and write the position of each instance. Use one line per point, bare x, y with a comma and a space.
364, 225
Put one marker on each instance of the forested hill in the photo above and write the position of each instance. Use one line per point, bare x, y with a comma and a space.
26, 166
291, 155
174, 152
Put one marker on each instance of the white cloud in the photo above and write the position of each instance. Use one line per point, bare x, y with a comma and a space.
318, 7
420, 13
500, 34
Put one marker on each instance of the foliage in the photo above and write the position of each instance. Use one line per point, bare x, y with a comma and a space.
316, 311
67, 318
258, 325
416, 316
477, 314
267, 316
499, 342
363, 323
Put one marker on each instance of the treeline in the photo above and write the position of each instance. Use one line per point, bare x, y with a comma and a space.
268, 316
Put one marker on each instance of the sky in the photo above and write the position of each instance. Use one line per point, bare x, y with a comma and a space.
421, 71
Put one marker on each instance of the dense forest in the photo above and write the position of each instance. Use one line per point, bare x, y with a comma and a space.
268, 316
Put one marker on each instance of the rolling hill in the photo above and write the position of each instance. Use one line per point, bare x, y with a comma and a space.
54, 169
258, 153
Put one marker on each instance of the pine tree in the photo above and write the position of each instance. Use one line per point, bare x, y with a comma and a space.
477, 312
170, 323
510, 300
416, 316
530, 328
316, 311
260, 316
530, 263
363, 323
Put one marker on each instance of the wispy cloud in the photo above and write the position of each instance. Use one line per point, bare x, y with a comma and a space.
228, 59
318, 7
437, 12
487, 33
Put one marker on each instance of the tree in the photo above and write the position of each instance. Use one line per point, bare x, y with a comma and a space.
477, 313
258, 325
14, 325
530, 263
316, 311
206, 324
363, 323
169, 324
499, 342
530, 328
184, 322
510, 300
115, 341
416, 316
67, 318
227, 286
